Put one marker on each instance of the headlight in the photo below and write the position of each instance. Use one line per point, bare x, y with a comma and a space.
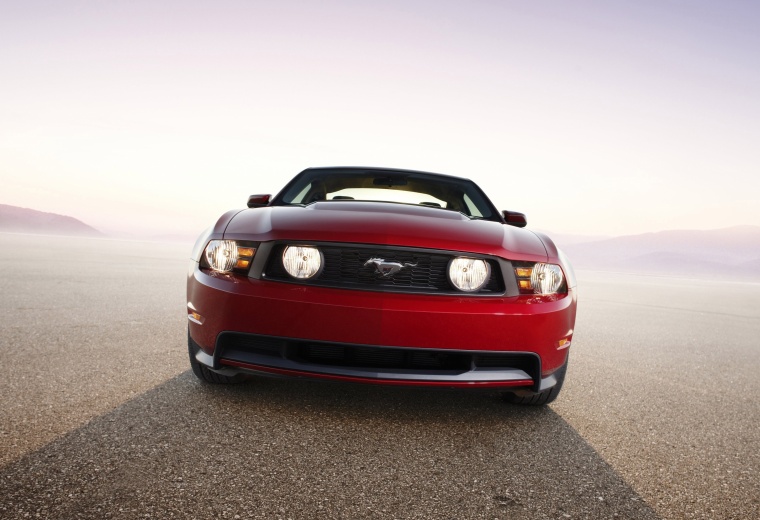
301, 261
225, 255
539, 278
469, 274
546, 278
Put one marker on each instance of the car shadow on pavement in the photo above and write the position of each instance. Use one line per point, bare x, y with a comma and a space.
274, 448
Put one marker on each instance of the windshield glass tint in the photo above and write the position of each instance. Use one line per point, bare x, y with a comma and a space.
422, 189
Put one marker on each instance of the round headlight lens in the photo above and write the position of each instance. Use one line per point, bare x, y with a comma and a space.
469, 274
222, 255
546, 278
301, 262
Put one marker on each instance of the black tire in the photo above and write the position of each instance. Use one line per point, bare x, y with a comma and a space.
203, 373
528, 398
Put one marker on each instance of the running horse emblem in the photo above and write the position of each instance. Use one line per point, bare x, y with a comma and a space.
387, 268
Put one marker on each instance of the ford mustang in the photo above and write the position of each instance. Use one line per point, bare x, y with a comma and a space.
386, 276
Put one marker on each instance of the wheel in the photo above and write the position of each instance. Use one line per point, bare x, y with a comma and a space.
528, 398
203, 373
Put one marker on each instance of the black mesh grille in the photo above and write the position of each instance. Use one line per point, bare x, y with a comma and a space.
344, 266
374, 357
526, 363
261, 345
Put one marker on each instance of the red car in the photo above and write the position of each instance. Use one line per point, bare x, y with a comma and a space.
385, 276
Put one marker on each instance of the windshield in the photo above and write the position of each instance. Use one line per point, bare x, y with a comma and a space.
396, 186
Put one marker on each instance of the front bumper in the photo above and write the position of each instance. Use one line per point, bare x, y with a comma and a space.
531, 334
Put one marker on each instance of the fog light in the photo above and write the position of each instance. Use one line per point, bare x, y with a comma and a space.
469, 274
301, 261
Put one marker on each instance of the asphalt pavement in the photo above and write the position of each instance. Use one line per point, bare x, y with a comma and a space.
101, 417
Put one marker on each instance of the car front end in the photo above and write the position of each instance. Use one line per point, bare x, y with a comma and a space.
377, 292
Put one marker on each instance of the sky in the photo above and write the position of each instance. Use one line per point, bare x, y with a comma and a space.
592, 117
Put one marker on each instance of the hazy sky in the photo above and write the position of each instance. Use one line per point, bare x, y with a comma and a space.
593, 117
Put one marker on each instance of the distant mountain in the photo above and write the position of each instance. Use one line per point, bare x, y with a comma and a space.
720, 253
24, 220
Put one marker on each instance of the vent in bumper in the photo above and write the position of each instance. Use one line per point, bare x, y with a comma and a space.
376, 362
377, 358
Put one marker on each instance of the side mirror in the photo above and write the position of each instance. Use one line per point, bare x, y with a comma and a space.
258, 201
515, 218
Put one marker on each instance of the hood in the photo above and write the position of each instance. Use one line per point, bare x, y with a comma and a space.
385, 224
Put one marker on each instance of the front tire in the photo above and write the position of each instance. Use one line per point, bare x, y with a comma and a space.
203, 373
527, 398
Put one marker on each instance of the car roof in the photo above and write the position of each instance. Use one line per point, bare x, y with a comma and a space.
375, 169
